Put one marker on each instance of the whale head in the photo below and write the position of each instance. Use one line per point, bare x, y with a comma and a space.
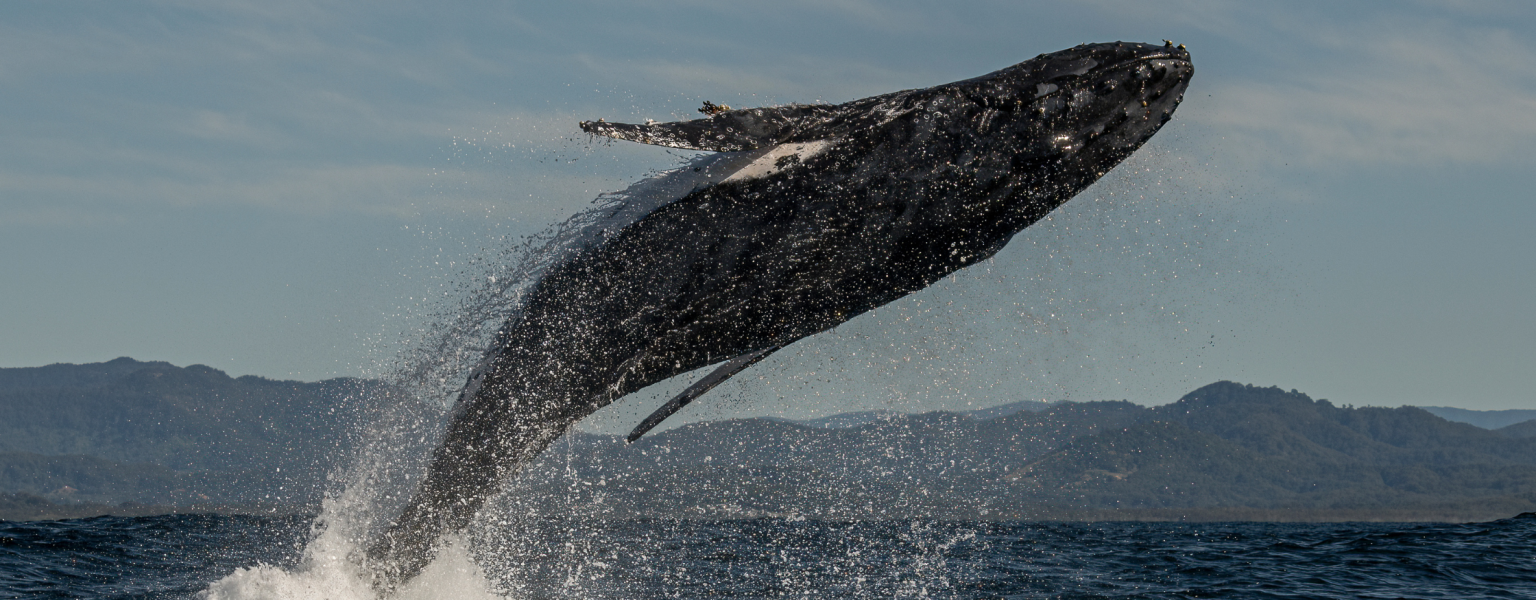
1099, 101
1059, 120
955, 170
1091, 105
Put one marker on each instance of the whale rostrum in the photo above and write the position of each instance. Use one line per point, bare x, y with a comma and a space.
804, 217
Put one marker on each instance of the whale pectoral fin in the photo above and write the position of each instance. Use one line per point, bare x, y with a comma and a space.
731, 367
729, 131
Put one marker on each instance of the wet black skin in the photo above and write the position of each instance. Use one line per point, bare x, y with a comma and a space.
919, 184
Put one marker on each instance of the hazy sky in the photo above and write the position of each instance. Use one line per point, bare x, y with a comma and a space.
1342, 205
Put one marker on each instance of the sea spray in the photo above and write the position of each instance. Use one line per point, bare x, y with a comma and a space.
327, 573
174, 556
406, 422
682, 288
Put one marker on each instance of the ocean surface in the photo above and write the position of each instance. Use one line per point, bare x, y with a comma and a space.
255, 557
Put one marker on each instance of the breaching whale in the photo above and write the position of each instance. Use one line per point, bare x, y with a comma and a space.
806, 216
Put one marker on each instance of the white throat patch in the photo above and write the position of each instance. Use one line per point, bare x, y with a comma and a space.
778, 158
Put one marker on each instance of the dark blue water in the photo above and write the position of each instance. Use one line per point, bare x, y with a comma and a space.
177, 556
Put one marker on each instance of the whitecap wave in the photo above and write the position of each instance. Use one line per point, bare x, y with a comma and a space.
326, 573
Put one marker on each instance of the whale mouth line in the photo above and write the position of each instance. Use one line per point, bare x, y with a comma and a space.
1184, 58
1171, 60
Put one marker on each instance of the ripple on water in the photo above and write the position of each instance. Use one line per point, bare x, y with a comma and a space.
223, 557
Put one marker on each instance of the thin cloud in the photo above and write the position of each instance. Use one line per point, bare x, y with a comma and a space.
787, 78
889, 17
379, 189
1390, 84
1407, 92
225, 127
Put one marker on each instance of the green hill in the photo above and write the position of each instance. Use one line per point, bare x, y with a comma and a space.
1523, 429
151, 432
1229, 445
1225, 451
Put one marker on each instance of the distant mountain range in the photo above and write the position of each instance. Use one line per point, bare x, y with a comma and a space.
1486, 419
854, 419
153, 433
92, 437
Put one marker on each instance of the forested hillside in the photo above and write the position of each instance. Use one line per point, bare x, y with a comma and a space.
154, 434
1224, 451
151, 432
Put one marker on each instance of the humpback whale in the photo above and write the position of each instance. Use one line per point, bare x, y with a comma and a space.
804, 217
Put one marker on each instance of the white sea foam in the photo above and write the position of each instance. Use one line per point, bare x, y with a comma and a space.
327, 573
330, 566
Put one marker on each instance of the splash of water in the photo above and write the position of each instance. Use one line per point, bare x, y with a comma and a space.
427, 376
423, 382
327, 573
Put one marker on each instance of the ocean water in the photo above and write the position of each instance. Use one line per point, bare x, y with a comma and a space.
254, 557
